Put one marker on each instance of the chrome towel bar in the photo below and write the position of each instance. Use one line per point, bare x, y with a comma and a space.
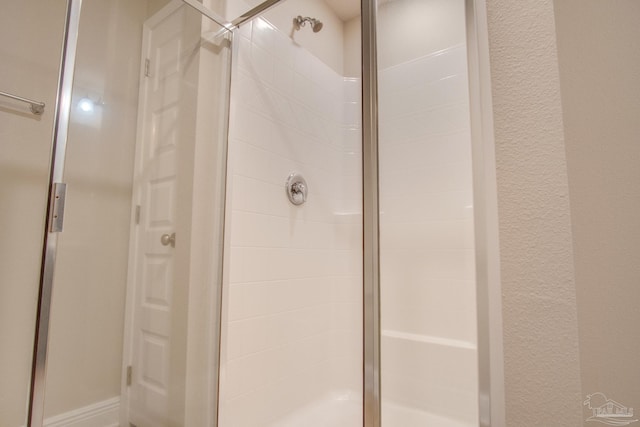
36, 107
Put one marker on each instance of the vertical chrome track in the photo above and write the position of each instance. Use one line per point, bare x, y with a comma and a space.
58, 147
370, 217
487, 247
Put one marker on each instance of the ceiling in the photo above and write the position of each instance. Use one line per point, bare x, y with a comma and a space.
345, 9
348, 9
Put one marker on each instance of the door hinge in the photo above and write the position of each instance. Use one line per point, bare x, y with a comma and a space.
147, 67
137, 214
129, 375
57, 207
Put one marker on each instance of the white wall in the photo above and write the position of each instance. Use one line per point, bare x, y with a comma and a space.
599, 76
292, 325
29, 68
426, 201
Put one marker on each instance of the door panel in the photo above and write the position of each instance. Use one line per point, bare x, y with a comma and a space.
154, 311
172, 355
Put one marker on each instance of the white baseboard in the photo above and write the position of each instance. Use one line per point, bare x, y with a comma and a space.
99, 414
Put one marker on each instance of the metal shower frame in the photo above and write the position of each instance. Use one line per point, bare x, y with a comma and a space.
491, 397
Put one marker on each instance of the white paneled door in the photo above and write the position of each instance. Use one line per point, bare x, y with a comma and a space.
157, 313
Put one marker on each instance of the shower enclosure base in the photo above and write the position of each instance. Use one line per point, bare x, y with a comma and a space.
345, 410
397, 415
335, 410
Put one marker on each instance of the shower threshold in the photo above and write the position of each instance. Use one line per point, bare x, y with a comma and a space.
398, 415
335, 410
346, 411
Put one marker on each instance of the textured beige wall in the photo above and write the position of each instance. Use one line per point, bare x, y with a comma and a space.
542, 367
600, 85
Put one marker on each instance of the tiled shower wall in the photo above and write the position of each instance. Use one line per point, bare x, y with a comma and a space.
427, 236
292, 319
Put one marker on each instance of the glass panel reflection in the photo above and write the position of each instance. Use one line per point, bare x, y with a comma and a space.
133, 336
428, 314
29, 69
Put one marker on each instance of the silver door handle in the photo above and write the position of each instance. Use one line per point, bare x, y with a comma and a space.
168, 239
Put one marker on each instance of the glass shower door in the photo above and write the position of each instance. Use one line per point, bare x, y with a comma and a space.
29, 63
133, 332
428, 338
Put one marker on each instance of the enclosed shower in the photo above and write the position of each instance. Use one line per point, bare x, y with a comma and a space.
241, 214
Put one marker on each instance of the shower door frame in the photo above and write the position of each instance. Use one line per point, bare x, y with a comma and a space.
491, 409
491, 397
490, 354
35, 410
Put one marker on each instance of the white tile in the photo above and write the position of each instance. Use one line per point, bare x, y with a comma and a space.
262, 64
352, 114
252, 94
303, 62
443, 234
259, 230
246, 29
291, 264
432, 179
236, 269
352, 90
253, 195
283, 77
264, 35
244, 54
404, 264
347, 289
252, 128
425, 151
302, 87
296, 271
285, 50
452, 205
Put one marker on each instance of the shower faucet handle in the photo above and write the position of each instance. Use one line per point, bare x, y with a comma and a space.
298, 188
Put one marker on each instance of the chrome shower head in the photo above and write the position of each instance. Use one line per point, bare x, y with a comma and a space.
299, 22
316, 25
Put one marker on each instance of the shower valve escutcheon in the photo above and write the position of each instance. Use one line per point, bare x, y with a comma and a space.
296, 188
